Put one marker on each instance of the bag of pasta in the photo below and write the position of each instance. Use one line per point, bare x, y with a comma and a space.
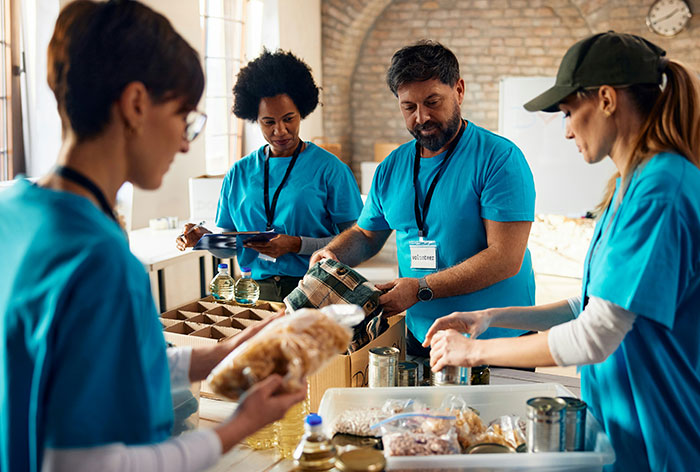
470, 427
419, 434
294, 346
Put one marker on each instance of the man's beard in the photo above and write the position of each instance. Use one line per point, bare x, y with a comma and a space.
436, 141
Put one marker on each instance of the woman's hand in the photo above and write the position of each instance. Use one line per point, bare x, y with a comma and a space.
277, 246
190, 235
472, 322
260, 406
450, 347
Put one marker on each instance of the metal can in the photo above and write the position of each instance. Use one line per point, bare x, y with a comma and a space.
427, 373
489, 448
481, 375
575, 424
383, 367
408, 374
451, 375
545, 424
361, 460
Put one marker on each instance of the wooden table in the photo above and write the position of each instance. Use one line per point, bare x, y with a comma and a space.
242, 458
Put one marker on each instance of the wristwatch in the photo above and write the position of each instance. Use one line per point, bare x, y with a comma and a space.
425, 294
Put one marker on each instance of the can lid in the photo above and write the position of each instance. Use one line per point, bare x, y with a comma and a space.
489, 448
313, 419
359, 460
384, 351
574, 404
407, 365
546, 404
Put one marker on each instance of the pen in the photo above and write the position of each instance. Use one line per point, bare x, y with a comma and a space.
191, 229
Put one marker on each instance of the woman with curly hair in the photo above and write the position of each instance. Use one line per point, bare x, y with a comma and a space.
291, 186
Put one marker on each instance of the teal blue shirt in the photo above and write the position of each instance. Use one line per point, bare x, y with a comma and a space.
486, 177
645, 257
320, 193
82, 354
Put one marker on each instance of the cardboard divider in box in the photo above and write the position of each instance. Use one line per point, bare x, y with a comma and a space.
350, 370
260, 305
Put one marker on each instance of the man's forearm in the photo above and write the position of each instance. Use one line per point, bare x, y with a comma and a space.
354, 246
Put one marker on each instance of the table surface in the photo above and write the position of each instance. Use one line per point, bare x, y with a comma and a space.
156, 248
242, 458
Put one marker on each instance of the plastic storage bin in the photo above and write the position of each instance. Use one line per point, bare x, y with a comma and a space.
492, 401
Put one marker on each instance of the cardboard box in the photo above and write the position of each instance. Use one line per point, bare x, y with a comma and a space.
351, 370
204, 197
381, 150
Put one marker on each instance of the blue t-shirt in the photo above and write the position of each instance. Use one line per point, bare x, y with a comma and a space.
486, 177
320, 193
82, 354
645, 257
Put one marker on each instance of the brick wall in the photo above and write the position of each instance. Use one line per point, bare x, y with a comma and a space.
491, 38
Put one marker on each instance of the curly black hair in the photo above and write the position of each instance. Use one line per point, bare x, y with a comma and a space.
271, 74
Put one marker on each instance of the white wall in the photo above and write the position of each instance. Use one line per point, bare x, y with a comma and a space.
172, 198
294, 26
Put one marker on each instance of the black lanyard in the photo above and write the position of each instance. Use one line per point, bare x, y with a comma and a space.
270, 209
81, 180
420, 218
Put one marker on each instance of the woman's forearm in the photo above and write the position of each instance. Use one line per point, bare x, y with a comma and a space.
523, 351
532, 318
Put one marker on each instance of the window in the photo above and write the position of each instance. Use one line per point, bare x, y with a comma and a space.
11, 146
5, 69
223, 25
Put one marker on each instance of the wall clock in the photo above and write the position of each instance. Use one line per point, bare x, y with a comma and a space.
668, 17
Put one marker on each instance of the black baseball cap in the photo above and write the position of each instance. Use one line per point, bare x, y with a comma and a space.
610, 58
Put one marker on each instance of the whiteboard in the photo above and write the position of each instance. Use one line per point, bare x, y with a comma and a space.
565, 183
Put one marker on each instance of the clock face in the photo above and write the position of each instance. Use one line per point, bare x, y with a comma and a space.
668, 17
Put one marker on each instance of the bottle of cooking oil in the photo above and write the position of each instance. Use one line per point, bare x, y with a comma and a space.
290, 429
247, 290
315, 451
264, 438
221, 286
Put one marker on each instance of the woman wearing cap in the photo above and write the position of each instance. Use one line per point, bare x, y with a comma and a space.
635, 328
291, 186
85, 379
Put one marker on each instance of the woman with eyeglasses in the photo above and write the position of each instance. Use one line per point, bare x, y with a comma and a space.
635, 327
289, 186
85, 378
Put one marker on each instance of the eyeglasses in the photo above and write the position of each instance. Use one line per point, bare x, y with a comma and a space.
195, 121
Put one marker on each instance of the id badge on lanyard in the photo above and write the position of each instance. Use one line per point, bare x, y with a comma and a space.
423, 255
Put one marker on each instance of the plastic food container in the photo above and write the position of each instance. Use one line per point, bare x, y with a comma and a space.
492, 401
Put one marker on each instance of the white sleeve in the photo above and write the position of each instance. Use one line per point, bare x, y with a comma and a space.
592, 336
194, 451
179, 359
574, 304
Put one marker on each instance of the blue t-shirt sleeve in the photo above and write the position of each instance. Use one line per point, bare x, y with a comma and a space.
508, 192
372, 216
108, 378
223, 211
638, 267
343, 201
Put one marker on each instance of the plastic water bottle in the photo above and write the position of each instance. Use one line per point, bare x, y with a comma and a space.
221, 286
315, 451
247, 290
290, 429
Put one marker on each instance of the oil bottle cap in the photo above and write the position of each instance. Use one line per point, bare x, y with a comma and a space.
313, 419
223, 266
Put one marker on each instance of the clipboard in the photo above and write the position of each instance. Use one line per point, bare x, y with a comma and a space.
229, 240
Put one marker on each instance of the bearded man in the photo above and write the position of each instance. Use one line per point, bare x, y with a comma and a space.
460, 198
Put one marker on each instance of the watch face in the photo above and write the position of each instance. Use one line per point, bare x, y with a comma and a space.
425, 294
668, 17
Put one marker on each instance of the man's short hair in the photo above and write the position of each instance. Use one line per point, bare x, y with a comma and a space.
422, 61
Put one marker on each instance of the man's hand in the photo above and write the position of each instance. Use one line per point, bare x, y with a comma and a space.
450, 347
472, 322
321, 254
400, 294
277, 246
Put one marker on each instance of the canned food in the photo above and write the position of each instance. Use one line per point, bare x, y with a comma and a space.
522, 447
408, 374
350, 441
481, 375
545, 424
383, 367
575, 424
489, 448
361, 460
427, 373
451, 375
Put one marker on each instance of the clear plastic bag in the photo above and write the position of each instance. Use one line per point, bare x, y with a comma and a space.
359, 421
507, 430
294, 346
468, 424
419, 434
